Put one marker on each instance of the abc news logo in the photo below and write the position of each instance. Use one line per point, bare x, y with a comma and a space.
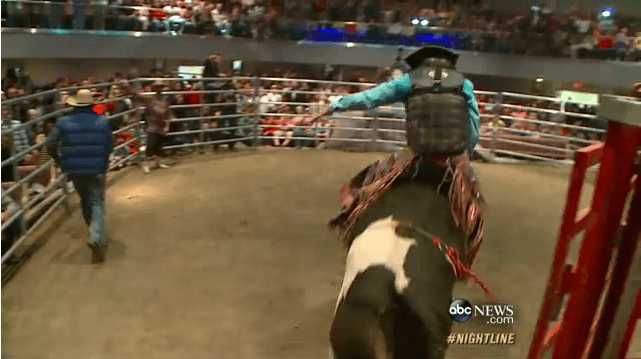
461, 310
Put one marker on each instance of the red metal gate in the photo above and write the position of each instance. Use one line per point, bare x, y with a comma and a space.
583, 329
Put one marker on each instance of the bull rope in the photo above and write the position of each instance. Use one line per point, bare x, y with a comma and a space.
461, 271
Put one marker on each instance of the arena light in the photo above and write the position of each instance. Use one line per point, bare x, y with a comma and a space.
607, 12
415, 21
539, 79
424, 22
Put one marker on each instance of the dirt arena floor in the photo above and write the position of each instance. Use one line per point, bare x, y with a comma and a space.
228, 256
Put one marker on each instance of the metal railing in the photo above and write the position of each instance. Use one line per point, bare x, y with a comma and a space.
29, 167
524, 137
254, 115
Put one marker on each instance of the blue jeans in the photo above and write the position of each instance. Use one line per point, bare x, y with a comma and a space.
79, 14
99, 15
56, 15
91, 189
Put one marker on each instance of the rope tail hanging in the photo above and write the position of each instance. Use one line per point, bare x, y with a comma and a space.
460, 269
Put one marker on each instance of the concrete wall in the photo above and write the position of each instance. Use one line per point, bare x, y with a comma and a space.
45, 71
21, 46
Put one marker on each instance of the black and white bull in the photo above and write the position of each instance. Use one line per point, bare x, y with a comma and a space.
397, 287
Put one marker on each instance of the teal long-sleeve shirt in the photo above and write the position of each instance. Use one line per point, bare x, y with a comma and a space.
398, 90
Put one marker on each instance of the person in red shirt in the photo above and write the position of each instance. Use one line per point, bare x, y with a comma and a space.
102, 108
603, 39
193, 98
279, 132
606, 42
268, 122
157, 16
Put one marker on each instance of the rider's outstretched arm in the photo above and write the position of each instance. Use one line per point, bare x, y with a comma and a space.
385, 93
398, 90
473, 113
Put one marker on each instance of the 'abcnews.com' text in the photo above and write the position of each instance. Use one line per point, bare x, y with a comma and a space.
497, 318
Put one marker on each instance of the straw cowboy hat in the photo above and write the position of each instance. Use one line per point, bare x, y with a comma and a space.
83, 98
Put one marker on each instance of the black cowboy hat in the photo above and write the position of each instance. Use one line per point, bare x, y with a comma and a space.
417, 57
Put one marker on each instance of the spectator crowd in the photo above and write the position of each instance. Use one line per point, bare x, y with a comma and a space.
447, 23
538, 127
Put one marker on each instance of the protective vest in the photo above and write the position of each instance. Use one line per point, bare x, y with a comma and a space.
437, 114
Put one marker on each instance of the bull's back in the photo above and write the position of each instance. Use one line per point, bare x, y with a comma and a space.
394, 286
416, 203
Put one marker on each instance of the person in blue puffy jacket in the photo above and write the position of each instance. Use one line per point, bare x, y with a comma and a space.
81, 144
